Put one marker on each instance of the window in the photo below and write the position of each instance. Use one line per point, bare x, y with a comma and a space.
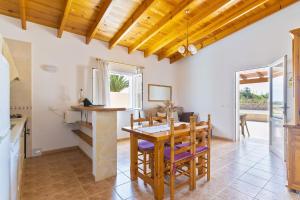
125, 86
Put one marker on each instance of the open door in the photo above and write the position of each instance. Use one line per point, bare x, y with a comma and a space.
278, 106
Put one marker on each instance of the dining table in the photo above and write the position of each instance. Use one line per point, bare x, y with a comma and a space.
159, 136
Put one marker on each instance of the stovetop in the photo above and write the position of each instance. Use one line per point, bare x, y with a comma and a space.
14, 116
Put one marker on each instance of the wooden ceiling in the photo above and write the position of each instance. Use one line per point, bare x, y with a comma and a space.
254, 76
152, 26
259, 75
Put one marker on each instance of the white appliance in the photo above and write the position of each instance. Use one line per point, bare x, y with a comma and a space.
4, 129
14, 169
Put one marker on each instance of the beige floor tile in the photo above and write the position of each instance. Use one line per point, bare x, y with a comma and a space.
246, 188
68, 176
230, 193
253, 180
260, 173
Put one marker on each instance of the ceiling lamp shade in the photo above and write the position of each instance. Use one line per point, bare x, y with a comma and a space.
188, 49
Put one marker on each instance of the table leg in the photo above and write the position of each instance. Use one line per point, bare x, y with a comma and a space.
159, 170
133, 157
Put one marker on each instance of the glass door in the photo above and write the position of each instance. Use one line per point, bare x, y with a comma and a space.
278, 106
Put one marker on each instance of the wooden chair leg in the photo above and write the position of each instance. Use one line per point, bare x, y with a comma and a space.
208, 166
199, 169
247, 129
151, 164
243, 130
172, 183
145, 164
192, 171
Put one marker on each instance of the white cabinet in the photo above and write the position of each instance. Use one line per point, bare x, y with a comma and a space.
14, 169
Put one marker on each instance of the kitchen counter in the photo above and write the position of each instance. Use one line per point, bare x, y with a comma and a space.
292, 126
17, 129
97, 108
98, 139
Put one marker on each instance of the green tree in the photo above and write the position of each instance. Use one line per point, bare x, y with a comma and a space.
246, 93
118, 83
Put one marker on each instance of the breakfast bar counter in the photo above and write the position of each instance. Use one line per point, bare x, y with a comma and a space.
99, 139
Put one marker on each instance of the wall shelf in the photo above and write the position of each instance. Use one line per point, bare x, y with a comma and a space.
83, 136
86, 124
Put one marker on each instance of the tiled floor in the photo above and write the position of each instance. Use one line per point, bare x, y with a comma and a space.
240, 171
258, 130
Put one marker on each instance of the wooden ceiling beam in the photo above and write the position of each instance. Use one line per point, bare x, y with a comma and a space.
228, 18
243, 76
236, 27
212, 9
260, 74
254, 80
133, 19
22, 7
105, 4
64, 18
160, 25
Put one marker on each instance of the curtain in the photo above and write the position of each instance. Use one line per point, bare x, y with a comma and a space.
103, 83
137, 89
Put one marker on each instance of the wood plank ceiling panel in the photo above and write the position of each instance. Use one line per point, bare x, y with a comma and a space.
131, 21
119, 13
172, 15
148, 20
103, 12
10, 8
220, 21
82, 16
157, 28
204, 13
46, 13
251, 18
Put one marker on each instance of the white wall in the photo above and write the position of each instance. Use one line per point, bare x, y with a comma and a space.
206, 81
60, 67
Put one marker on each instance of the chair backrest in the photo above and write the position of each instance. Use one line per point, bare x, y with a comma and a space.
203, 136
140, 120
181, 135
243, 119
181, 126
159, 118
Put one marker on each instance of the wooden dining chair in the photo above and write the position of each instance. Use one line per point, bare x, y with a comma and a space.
145, 148
243, 124
159, 119
180, 161
202, 154
203, 140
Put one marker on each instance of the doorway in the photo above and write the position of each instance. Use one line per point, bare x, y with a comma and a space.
261, 104
253, 104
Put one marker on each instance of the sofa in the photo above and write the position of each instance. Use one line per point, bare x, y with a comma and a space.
182, 115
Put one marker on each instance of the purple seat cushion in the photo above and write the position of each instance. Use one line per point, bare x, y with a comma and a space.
198, 150
145, 145
177, 157
201, 149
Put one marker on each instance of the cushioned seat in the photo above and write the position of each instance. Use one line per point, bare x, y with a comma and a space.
201, 149
198, 149
145, 145
177, 157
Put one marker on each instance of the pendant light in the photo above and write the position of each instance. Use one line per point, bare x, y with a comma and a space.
188, 49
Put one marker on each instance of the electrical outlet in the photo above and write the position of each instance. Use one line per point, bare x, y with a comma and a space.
37, 152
